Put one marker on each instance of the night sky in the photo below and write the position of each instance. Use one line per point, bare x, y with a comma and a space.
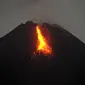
70, 14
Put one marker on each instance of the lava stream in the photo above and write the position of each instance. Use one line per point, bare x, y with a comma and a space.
42, 45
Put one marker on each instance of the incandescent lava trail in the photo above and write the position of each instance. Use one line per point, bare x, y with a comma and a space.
42, 44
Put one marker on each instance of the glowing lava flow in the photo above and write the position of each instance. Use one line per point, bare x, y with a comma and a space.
42, 45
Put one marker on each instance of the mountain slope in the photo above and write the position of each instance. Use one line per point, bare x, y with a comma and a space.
18, 67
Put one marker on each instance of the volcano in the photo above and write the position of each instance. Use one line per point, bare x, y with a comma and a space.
19, 65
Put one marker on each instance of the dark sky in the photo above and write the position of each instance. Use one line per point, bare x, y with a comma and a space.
70, 14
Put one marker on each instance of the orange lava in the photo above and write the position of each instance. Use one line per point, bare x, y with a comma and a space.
42, 45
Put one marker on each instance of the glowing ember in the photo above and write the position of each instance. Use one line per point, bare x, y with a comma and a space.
42, 45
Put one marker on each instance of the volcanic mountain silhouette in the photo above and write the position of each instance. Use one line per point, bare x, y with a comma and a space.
19, 66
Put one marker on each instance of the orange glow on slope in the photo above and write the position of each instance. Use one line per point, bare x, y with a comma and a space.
42, 45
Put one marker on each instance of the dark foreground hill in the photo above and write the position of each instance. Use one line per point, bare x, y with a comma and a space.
19, 66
